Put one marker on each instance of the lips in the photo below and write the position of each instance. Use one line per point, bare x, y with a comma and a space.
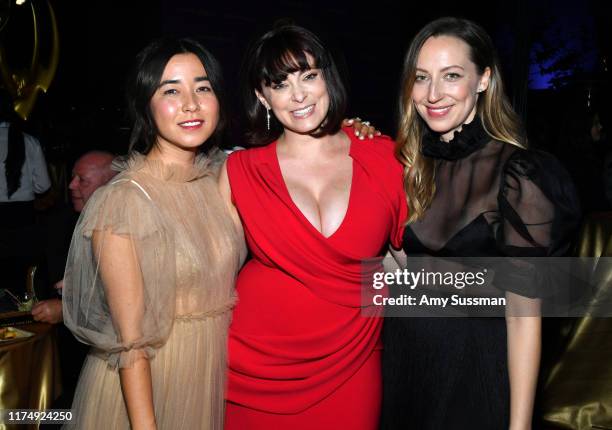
193, 124
303, 113
438, 112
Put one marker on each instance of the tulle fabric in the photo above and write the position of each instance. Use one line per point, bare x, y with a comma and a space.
187, 249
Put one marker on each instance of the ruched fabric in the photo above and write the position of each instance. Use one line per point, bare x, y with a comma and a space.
187, 253
298, 333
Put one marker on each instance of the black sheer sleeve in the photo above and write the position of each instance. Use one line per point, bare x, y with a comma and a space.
540, 212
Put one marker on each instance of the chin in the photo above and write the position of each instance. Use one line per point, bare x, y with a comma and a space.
192, 145
190, 148
307, 128
443, 126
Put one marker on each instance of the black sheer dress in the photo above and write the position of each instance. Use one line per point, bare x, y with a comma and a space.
492, 199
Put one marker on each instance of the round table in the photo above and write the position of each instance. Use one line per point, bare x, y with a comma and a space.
29, 371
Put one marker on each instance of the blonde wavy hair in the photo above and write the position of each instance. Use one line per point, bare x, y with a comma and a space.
493, 108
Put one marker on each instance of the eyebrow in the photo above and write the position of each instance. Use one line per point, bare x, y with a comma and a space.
444, 69
176, 81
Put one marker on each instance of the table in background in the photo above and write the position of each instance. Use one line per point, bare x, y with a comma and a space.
29, 371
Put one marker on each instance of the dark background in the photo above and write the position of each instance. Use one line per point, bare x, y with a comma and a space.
554, 56
555, 62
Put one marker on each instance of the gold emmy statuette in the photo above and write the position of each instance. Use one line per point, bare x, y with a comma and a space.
24, 85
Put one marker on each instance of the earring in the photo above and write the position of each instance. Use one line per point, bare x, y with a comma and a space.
268, 118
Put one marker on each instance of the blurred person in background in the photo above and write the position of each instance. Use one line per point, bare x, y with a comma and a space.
23, 177
90, 172
583, 151
23, 171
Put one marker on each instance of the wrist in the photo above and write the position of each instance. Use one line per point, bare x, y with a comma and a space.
145, 424
519, 425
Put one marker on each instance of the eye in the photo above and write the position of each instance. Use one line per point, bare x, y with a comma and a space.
204, 89
279, 86
420, 78
311, 76
453, 76
170, 91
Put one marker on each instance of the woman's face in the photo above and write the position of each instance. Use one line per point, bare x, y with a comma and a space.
300, 102
447, 85
184, 106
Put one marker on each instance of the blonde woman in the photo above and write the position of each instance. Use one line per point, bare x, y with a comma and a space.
473, 190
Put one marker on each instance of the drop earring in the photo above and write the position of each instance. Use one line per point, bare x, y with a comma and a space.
268, 119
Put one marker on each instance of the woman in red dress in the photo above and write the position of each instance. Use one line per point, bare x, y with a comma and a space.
315, 203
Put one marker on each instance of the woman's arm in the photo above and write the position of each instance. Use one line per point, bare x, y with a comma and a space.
226, 194
524, 347
400, 257
123, 285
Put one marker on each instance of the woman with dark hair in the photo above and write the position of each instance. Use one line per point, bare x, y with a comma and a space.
474, 191
315, 202
149, 281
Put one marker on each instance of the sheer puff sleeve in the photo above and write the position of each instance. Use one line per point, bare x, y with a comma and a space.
540, 212
119, 284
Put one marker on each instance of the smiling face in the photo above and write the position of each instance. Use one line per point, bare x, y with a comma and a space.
184, 106
447, 85
300, 102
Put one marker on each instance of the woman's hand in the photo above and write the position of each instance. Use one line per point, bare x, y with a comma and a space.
362, 128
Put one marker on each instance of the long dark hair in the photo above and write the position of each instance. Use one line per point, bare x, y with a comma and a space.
15, 154
144, 80
269, 60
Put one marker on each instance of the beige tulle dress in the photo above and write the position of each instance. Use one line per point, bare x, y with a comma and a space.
187, 252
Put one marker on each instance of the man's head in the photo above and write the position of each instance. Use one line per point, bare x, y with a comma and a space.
90, 172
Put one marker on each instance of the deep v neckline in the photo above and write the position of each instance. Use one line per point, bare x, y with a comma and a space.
478, 220
296, 208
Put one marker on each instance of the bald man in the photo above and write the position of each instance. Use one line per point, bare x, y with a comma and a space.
90, 172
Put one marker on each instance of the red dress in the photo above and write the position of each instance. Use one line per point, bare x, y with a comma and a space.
301, 355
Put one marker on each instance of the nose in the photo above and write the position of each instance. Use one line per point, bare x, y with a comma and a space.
190, 104
433, 95
73, 183
299, 94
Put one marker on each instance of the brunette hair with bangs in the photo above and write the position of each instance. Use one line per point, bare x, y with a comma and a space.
269, 60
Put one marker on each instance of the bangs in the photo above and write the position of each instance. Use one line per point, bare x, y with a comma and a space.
280, 52
283, 57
